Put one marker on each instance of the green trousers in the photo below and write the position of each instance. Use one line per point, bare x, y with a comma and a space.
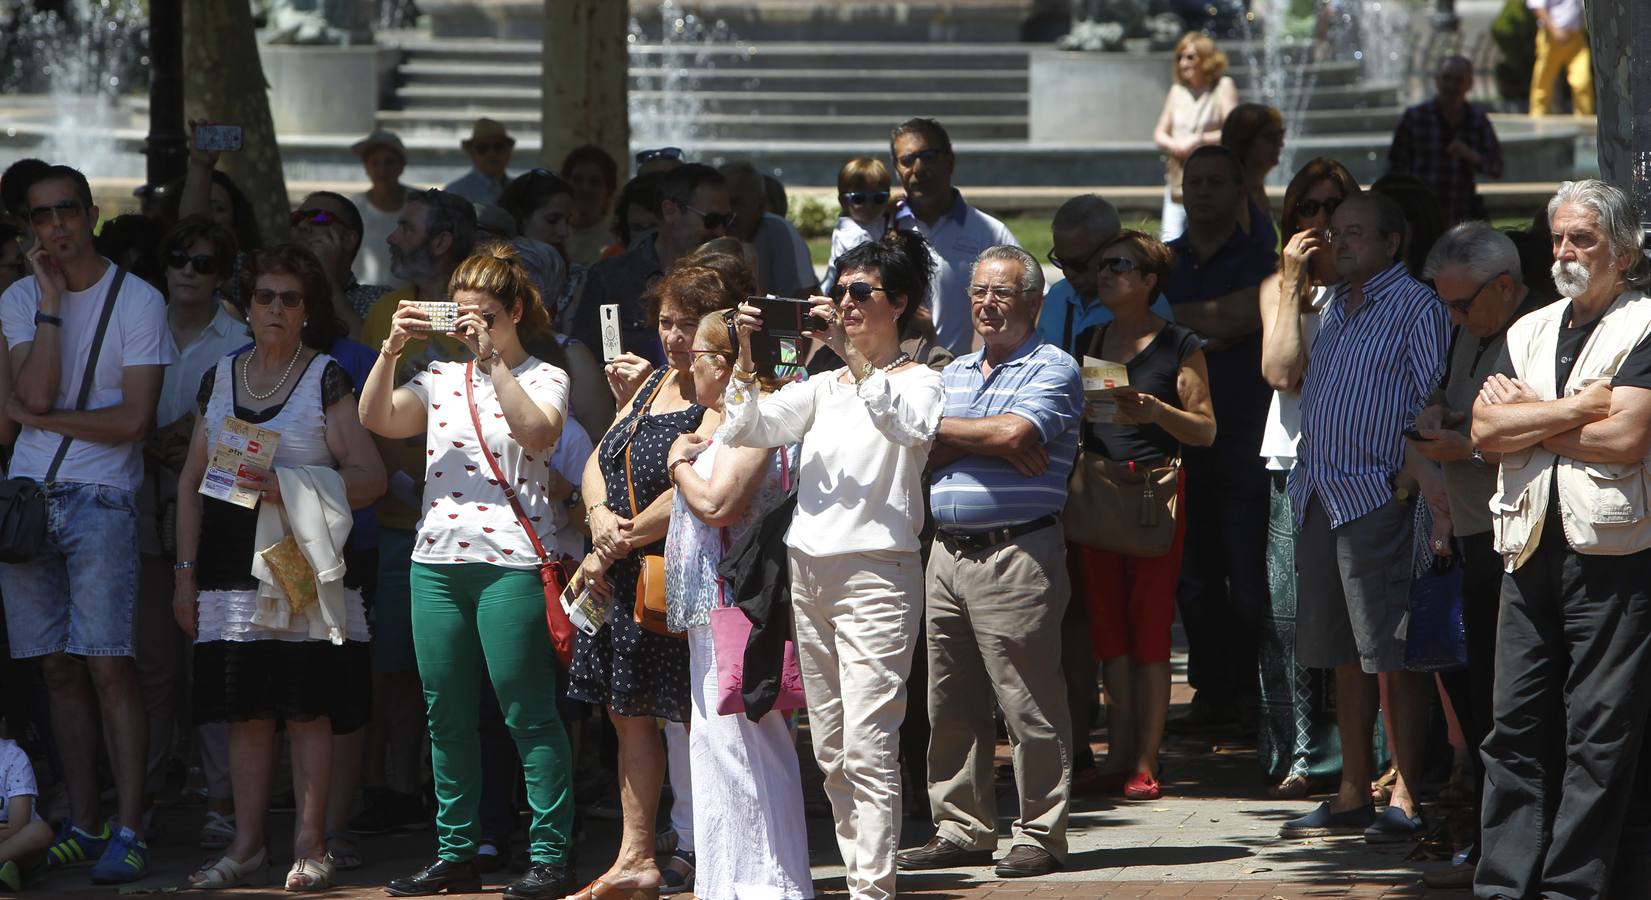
471, 618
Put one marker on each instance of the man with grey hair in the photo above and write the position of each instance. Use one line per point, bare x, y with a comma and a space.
783, 265
1573, 653
996, 581
1083, 226
1476, 272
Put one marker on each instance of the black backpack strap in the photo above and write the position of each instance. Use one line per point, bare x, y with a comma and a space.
91, 365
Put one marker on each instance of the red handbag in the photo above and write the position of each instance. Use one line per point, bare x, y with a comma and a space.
551, 574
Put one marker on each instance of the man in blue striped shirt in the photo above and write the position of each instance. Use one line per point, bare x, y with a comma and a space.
1377, 358
996, 583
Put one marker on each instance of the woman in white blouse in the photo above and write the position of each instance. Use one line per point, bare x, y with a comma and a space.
856, 578
1198, 102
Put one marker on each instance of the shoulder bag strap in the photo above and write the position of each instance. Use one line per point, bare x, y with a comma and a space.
509, 489
91, 366
1066, 331
635, 424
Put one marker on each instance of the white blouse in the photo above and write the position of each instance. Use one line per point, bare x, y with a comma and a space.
864, 447
1283, 428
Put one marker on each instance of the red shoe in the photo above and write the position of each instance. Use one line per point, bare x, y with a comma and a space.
1142, 787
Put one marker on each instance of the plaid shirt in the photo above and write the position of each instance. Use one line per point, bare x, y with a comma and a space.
1419, 149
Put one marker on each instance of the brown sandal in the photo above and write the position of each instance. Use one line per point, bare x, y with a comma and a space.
599, 890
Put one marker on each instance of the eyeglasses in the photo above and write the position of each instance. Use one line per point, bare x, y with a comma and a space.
1466, 303
861, 198
713, 221
699, 350
313, 217
289, 299
912, 159
205, 265
858, 291
997, 292
490, 147
1077, 265
67, 211
1118, 265
648, 156
1307, 207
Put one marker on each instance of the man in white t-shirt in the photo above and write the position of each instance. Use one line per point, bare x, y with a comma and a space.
73, 606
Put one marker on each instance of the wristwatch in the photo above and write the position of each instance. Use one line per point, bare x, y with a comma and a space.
1479, 457
41, 318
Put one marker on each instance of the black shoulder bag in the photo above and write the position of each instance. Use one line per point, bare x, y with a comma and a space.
23, 500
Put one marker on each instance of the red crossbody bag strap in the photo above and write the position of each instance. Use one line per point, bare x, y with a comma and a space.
492, 463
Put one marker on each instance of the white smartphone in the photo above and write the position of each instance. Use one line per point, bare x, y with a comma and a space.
581, 608
609, 314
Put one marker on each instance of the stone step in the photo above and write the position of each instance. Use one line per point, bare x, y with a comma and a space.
892, 107
528, 75
883, 56
755, 129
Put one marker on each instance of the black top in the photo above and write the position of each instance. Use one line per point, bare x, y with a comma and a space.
1569, 346
1635, 370
1156, 371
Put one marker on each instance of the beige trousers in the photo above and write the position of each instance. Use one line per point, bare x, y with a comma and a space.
994, 629
856, 619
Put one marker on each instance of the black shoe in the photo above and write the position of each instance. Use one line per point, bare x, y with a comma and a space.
393, 812
941, 853
1025, 860
543, 880
441, 875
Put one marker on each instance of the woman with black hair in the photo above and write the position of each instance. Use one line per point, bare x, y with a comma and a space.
856, 574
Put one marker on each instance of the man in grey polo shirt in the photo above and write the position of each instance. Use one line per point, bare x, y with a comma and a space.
956, 231
996, 582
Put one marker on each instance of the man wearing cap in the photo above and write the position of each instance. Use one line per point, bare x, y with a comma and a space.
384, 159
489, 149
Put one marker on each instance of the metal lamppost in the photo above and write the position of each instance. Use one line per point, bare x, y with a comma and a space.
167, 146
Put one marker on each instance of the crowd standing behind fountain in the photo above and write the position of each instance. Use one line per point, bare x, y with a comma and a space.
1295, 446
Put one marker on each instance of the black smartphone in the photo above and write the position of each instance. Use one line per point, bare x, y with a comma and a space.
785, 318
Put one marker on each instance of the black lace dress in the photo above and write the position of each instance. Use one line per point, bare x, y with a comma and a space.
624, 666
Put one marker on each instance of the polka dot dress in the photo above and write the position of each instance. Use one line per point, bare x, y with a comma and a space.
625, 666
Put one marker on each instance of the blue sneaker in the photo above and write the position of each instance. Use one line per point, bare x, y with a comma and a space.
1394, 827
74, 847
126, 859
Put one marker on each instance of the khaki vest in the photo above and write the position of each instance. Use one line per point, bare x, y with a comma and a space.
1602, 505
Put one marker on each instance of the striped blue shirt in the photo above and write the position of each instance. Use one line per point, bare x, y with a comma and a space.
1039, 383
1370, 373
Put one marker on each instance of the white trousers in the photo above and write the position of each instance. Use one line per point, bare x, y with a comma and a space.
682, 784
1174, 219
856, 621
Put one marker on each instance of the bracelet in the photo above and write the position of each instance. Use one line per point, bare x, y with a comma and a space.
384, 350
484, 360
184, 566
743, 376
600, 504
670, 468
41, 318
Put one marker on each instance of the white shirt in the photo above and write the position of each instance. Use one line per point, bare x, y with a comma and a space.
137, 336
954, 242
16, 778
466, 517
568, 460
221, 337
864, 447
372, 261
1283, 428
845, 237
1565, 15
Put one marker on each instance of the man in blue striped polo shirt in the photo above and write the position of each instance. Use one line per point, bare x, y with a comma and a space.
996, 583
1378, 356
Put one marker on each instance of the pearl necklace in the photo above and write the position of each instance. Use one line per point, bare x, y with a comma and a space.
899, 361
247, 385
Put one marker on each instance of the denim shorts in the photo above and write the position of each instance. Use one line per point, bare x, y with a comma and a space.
78, 597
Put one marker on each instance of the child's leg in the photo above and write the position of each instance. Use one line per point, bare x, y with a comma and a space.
27, 845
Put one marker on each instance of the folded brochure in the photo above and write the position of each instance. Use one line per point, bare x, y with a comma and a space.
242, 450
1103, 377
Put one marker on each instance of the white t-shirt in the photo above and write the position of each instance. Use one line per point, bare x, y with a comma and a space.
372, 261
1283, 429
137, 337
845, 237
221, 337
16, 778
466, 517
1564, 14
955, 241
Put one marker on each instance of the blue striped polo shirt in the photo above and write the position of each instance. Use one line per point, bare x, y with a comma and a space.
1039, 383
1369, 375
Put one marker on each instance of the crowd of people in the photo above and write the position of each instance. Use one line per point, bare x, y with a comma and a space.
1378, 457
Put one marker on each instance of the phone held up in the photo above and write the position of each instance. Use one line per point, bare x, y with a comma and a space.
608, 313
222, 138
783, 323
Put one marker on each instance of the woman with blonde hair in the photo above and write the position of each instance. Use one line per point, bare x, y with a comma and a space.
1255, 131
478, 606
1199, 101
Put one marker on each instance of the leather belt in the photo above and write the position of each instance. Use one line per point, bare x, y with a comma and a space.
969, 542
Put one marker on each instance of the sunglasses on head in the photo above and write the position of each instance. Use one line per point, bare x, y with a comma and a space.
861, 198
313, 217
205, 265
289, 299
1308, 207
912, 159
67, 211
713, 221
648, 156
858, 291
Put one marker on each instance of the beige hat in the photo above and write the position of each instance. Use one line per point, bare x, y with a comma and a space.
485, 129
381, 137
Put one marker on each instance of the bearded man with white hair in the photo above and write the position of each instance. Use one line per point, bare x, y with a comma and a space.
1573, 425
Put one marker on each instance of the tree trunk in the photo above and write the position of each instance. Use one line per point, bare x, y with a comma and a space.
224, 82
585, 79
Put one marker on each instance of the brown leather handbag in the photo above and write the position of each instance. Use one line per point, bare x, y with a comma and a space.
1121, 506
650, 582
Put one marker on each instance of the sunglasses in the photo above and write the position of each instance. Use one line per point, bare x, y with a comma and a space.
861, 198
313, 217
858, 291
713, 221
289, 299
491, 147
204, 265
1466, 303
1118, 265
1308, 207
1076, 265
912, 159
648, 156
67, 211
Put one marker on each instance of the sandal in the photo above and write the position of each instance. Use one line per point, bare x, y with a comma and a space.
224, 872
600, 890
309, 875
1296, 787
346, 858
677, 875
218, 832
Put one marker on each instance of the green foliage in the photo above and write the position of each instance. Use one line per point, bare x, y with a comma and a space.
812, 215
1514, 32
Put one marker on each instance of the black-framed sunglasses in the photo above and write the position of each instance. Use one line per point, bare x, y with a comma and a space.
1075, 265
289, 299
858, 291
1307, 207
1466, 303
713, 221
647, 156
1118, 265
861, 198
204, 264
67, 211
313, 217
